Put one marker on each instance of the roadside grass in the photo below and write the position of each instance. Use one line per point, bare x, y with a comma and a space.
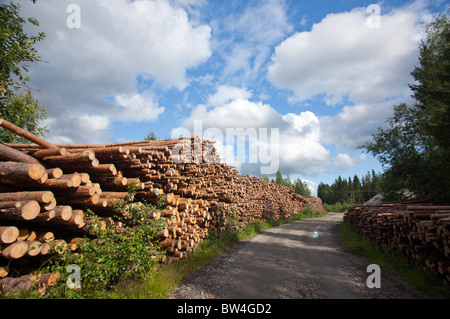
337, 207
162, 283
396, 263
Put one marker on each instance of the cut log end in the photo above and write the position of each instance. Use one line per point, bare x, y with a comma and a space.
30, 210
15, 250
8, 234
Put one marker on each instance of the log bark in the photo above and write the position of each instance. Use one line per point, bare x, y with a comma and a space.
23, 284
16, 171
55, 172
45, 217
85, 156
9, 154
41, 153
39, 196
28, 211
63, 213
25, 134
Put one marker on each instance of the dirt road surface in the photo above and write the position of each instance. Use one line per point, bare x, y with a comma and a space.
299, 260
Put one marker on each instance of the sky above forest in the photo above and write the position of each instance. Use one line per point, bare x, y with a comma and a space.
278, 84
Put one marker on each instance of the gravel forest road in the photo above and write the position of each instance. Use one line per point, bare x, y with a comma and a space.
299, 260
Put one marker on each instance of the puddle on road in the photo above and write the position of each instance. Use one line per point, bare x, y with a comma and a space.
315, 235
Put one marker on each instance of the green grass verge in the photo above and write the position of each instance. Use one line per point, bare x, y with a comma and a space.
396, 263
337, 207
162, 283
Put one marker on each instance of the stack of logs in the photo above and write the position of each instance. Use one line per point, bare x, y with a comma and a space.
45, 189
420, 230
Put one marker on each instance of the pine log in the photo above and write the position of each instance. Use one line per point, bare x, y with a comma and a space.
50, 279
55, 172
82, 200
9, 154
50, 205
28, 211
39, 196
12, 204
41, 153
43, 179
85, 156
75, 178
15, 250
34, 247
58, 183
45, 236
4, 270
45, 248
25, 134
101, 151
79, 191
21, 284
16, 171
62, 213
8, 234
44, 217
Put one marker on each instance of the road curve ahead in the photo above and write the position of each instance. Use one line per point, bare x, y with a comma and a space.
303, 259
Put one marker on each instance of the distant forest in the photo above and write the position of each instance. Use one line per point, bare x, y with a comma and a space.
351, 191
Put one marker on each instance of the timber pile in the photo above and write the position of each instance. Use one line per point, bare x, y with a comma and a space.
46, 188
418, 229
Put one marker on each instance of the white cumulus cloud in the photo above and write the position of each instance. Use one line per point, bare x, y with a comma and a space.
94, 68
138, 108
237, 125
342, 57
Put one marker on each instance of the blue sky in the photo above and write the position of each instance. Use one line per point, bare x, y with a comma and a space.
325, 74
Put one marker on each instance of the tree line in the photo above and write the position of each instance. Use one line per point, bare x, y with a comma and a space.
352, 190
299, 186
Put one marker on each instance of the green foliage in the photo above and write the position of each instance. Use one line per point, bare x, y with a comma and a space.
415, 147
301, 187
432, 88
298, 185
308, 212
150, 136
404, 149
337, 207
349, 191
24, 111
113, 254
265, 178
16, 47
